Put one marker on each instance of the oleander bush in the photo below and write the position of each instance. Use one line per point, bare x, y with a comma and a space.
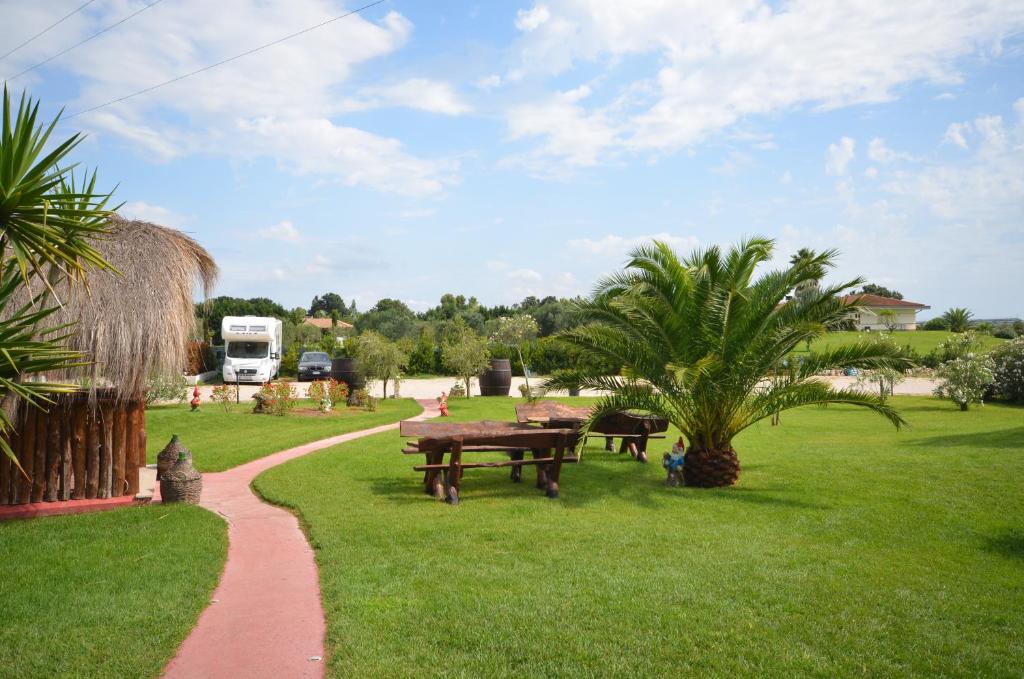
1008, 370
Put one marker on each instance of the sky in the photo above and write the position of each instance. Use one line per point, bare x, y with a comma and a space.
511, 148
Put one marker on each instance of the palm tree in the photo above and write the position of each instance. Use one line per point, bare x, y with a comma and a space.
46, 222
809, 286
699, 338
958, 319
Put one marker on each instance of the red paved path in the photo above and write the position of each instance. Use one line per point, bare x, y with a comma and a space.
266, 619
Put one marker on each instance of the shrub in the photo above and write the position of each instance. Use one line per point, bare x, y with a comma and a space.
965, 379
166, 389
361, 398
1008, 370
278, 398
1004, 332
335, 391
290, 361
224, 394
937, 323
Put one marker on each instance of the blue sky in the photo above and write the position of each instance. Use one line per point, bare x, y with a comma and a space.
503, 149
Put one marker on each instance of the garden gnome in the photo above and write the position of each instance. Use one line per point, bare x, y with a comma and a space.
195, 399
442, 402
673, 463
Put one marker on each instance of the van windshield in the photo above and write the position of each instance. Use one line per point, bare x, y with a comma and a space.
248, 349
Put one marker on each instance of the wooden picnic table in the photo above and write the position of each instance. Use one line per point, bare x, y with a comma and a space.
550, 448
635, 430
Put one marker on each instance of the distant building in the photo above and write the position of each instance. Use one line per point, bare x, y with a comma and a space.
325, 324
871, 313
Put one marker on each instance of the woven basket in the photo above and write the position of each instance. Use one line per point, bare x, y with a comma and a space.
181, 483
169, 455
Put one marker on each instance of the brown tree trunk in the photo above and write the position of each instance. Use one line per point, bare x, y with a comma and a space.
710, 468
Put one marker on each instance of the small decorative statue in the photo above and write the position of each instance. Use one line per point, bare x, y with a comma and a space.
325, 404
442, 402
261, 404
195, 399
673, 463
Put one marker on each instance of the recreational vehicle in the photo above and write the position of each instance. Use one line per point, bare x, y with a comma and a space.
252, 348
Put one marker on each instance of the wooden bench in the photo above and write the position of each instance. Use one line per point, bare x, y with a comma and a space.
550, 449
634, 430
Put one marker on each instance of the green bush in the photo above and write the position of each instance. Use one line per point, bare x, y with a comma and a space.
1008, 370
937, 323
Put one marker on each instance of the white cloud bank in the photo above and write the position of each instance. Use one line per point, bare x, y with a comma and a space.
720, 62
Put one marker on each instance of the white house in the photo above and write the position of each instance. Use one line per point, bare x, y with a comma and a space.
873, 312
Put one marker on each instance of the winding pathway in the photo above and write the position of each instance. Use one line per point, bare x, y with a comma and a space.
265, 618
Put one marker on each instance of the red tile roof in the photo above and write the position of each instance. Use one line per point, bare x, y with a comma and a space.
325, 323
879, 301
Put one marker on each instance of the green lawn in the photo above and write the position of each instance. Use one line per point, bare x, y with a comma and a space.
111, 594
921, 341
846, 549
220, 440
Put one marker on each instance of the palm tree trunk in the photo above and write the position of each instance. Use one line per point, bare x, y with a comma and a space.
710, 467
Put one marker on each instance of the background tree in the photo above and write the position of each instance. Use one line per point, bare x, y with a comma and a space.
297, 315
328, 302
937, 323
881, 291
888, 318
379, 358
47, 221
390, 317
958, 319
465, 353
697, 338
516, 331
217, 308
809, 287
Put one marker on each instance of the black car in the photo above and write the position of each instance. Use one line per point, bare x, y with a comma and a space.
314, 365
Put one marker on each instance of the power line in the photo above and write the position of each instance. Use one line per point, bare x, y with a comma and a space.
229, 59
48, 28
79, 44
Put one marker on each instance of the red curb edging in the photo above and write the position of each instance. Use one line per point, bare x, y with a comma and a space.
62, 507
266, 618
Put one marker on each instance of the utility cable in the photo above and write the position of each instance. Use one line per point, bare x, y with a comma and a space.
229, 59
79, 44
48, 28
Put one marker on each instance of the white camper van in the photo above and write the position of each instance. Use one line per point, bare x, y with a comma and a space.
252, 348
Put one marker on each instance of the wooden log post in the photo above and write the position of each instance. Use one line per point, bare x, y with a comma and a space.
27, 453
79, 440
39, 466
53, 451
453, 475
6, 467
555, 472
106, 448
132, 449
67, 433
92, 454
120, 451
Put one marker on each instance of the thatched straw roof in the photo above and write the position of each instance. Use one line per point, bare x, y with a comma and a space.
138, 323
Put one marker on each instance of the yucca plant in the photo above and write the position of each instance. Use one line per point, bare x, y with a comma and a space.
47, 221
701, 340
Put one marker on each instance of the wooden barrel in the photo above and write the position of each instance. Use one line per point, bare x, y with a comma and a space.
347, 370
497, 381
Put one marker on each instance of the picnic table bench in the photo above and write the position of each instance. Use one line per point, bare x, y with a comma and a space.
550, 449
635, 430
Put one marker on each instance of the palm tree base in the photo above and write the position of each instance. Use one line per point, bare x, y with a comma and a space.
711, 468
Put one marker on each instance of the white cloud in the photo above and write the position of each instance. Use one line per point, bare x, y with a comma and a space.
719, 63
531, 20
153, 213
787, 177
838, 156
619, 246
871, 173
283, 230
489, 82
955, 134
527, 275
295, 82
418, 93
417, 213
880, 153
355, 157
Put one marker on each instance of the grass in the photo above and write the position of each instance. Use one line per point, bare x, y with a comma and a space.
111, 594
847, 548
921, 341
220, 440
